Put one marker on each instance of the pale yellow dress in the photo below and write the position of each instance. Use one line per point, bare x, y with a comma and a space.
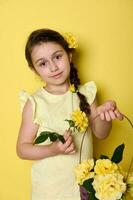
53, 178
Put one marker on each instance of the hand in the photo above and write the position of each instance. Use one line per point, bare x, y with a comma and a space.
66, 148
109, 111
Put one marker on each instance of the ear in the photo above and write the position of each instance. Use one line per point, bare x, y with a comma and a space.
70, 57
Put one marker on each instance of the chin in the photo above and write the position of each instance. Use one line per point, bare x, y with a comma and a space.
60, 82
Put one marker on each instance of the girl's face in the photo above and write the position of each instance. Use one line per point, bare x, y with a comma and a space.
51, 62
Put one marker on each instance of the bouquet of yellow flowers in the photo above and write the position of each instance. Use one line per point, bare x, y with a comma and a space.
99, 179
103, 179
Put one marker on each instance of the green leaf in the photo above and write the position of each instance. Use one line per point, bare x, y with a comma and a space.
61, 138
123, 197
104, 157
41, 138
89, 187
71, 123
53, 136
45, 132
118, 154
92, 197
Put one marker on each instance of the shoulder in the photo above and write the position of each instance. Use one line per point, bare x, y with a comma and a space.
37, 93
24, 96
91, 85
28, 102
89, 89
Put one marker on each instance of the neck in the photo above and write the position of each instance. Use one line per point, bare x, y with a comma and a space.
57, 89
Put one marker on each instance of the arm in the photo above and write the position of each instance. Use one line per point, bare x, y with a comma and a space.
27, 133
101, 126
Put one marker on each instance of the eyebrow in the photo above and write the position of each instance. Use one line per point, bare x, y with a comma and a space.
52, 55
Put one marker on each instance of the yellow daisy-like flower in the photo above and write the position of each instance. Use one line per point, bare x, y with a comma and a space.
72, 42
80, 119
109, 186
72, 88
105, 166
83, 171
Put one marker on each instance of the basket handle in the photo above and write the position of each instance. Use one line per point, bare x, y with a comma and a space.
81, 146
131, 123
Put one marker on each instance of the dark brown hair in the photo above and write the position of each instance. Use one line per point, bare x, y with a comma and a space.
47, 35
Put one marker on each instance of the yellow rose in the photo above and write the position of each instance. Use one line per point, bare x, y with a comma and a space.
83, 171
72, 42
80, 119
105, 166
109, 186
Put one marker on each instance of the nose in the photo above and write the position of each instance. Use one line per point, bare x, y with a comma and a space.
53, 66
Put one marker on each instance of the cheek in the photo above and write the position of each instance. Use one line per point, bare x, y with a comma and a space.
67, 70
41, 72
66, 65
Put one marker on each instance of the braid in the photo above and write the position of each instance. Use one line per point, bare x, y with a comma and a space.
84, 105
74, 79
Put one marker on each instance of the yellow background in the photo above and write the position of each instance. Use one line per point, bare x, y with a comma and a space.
104, 29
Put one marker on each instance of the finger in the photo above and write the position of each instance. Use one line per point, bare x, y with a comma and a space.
72, 152
102, 116
110, 105
69, 131
107, 116
68, 142
66, 135
112, 114
118, 114
65, 148
71, 148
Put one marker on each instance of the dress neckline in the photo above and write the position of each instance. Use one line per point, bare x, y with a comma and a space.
44, 91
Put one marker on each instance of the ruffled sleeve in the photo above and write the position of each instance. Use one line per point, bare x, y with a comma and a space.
89, 89
24, 96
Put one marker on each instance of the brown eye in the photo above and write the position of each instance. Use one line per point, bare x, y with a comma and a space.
58, 57
42, 64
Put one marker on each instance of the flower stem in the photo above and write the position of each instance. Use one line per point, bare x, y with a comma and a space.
81, 146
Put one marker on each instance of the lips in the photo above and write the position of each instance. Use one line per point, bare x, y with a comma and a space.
57, 75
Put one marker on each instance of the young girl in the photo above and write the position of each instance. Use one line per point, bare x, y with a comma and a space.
49, 54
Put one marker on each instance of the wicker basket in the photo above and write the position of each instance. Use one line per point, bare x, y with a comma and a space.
84, 195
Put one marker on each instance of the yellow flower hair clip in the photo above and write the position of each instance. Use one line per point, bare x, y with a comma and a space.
71, 40
72, 88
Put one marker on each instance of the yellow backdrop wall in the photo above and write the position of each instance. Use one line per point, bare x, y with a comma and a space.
104, 30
